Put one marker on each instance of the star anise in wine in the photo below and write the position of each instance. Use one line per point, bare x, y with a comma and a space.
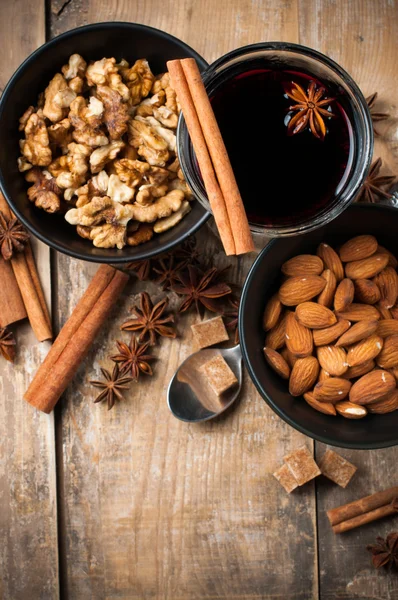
372, 189
149, 320
7, 344
232, 316
142, 268
133, 358
13, 236
376, 116
309, 107
111, 386
168, 268
385, 551
200, 289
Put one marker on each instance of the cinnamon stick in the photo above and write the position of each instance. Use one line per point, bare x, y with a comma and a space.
12, 308
367, 517
216, 199
218, 152
361, 506
75, 338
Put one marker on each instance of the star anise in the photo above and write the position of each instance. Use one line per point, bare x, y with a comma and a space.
199, 288
309, 109
133, 358
376, 116
142, 268
7, 344
114, 382
149, 320
385, 551
232, 315
372, 188
167, 268
13, 236
188, 251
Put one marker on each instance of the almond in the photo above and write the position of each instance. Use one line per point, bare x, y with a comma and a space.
367, 267
387, 327
276, 337
366, 291
357, 248
357, 332
350, 410
326, 296
364, 350
392, 261
277, 362
386, 405
388, 357
394, 312
332, 390
298, 338
296, 290
322, 337
323, 375
387, 282
359, 370
344, 295
326, 408
394, 372
332, 359
303, 265
372, 387
315, 316
303, 376
384, 312
360, 312
289, 357
272, 312
331, 260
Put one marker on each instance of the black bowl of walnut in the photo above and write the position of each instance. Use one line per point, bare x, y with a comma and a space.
91, 168
371, 385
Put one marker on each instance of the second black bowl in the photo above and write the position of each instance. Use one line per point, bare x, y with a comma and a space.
374, 431
93, 42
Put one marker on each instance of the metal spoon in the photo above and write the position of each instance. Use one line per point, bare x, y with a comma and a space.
190, 397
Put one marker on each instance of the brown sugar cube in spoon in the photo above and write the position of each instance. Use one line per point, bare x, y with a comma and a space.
302, 465
337, 468
286, 478
219, 375
210, 332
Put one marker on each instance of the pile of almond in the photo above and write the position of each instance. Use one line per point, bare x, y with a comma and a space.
332, 328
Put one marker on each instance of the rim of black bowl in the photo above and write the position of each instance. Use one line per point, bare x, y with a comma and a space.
143, 255
318, 437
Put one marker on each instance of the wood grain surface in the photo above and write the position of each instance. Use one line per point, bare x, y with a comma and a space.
150, 507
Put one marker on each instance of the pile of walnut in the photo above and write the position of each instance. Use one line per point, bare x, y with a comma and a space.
339, 346
101, 148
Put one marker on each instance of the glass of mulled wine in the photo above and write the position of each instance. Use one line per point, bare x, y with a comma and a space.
298, 134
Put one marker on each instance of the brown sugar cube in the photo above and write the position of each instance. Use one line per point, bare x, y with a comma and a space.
208, 333
337, 468
302, 465
219, 375
286, 478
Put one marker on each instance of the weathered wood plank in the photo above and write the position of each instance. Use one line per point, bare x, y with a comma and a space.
28, 517
361, 37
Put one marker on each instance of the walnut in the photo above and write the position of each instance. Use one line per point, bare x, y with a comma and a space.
104, 154
166, 117
25, 117
83, 231
116, 111
168, 136
169, 222
129, 152
131, 172
143, 234
149, 143
160, 208
97, 186
162, 82
177, 184
87, 120
105, 72
101, 209
77, 84
44, 192
118, 191
23, 164
157, 175
58, 97
147, 106
76, 67
70, 170
60, 134
35, 146
148, 192
139, 80
109, 235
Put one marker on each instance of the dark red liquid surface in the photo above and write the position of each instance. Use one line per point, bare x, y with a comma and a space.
282, 178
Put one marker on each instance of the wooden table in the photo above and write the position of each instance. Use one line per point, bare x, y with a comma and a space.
132, 503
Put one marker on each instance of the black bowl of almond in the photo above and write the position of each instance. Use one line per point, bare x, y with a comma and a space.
88, 157
319, 329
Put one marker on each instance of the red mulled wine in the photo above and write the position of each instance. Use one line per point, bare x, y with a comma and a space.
284, 176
